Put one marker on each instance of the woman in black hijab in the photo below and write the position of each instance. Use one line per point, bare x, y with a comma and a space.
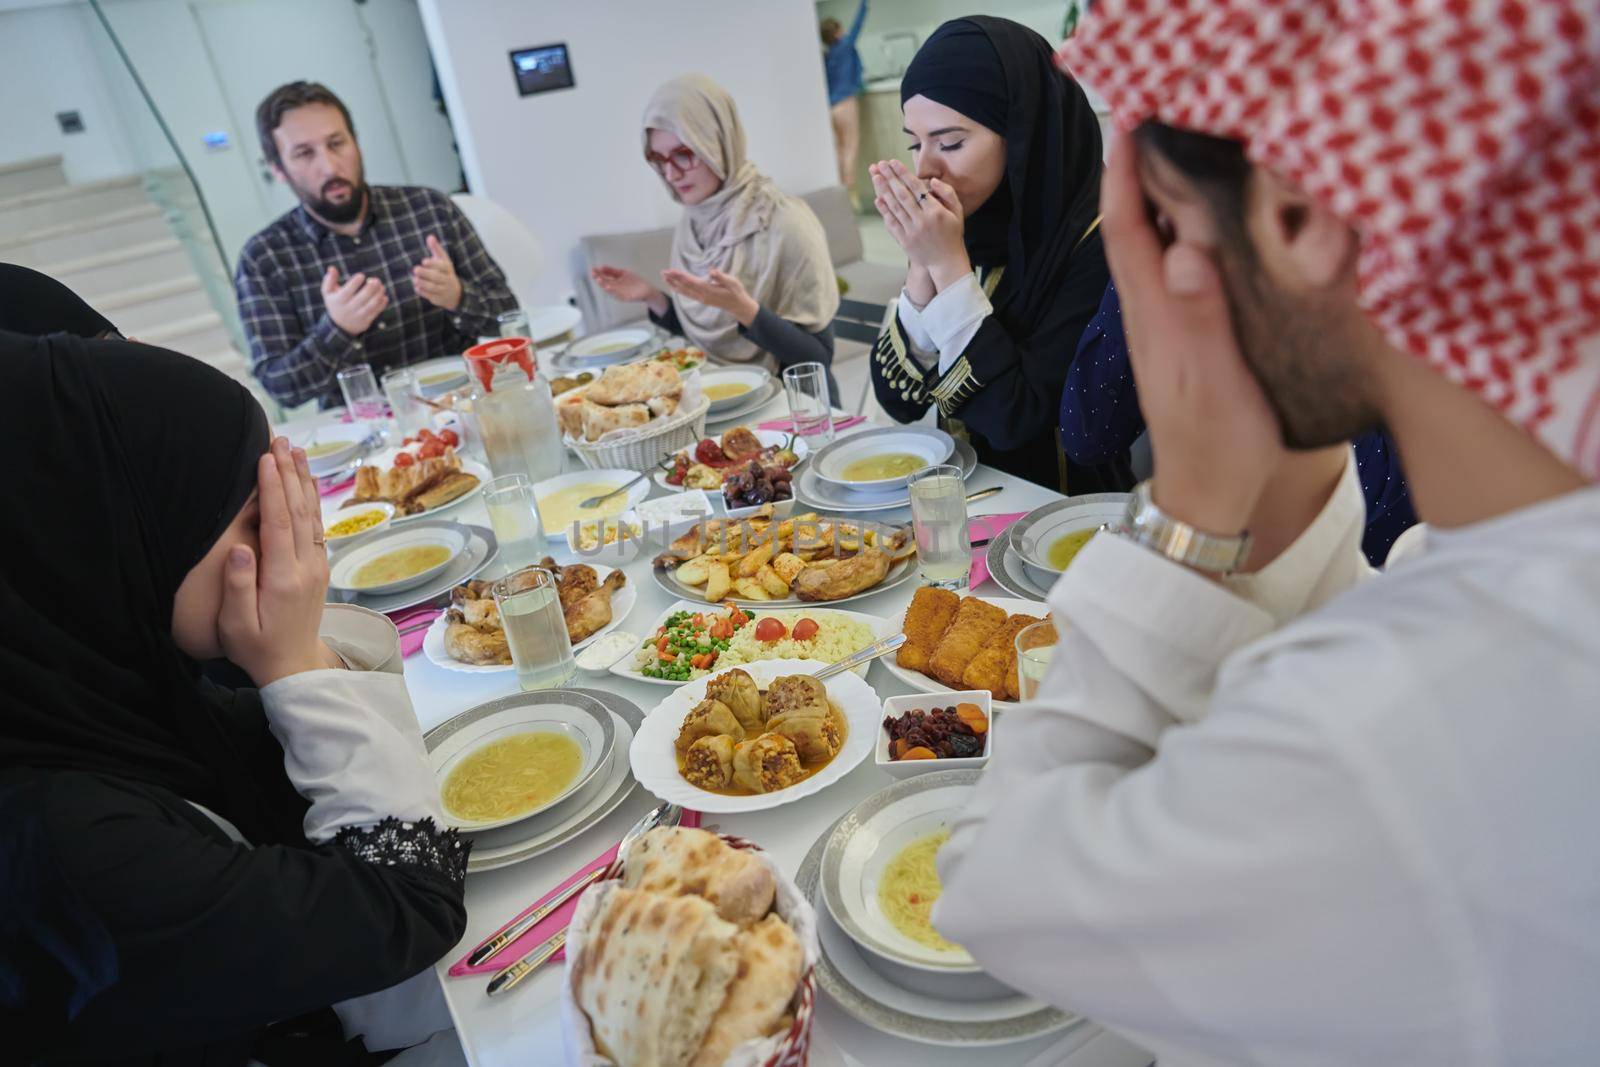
228, 849
1000, 224
34, 303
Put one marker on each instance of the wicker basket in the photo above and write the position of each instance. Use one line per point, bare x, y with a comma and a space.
646, 450
791, 1049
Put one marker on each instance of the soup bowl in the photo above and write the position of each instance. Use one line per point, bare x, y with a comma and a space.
854, 862
928, 447
739, 383
581, 719
562, 494
344, 572
332, 448
1037, 532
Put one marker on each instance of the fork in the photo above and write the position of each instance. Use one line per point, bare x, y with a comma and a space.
508, 977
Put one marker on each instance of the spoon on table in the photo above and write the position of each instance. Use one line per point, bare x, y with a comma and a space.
595, 501
982, 493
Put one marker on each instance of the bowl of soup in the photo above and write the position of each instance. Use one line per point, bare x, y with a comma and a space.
880, 461
1049, 538
332, 448
526, 756
880, 881
396, 560
613, 346
561, 499
729, 387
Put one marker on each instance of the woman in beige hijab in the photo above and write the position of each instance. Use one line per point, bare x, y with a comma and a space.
750, 280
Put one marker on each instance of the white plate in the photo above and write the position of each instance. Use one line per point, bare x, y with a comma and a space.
611, 478
871, 998
1007, 571
627, 666
932, 447
1034, 533
438, 376
350, 438
345, 564
332, 503
754, 379
582, 719
527, 841
924, 684
622, 602
899, 573
827, 496
612, 346
548, 323
768, 438
481, 551
655, 761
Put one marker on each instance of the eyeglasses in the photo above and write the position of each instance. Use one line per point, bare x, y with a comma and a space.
683, 160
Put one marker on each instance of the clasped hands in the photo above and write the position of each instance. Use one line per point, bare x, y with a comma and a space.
926, 220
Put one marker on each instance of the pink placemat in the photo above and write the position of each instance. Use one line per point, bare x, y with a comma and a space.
413, 625
787, 425
978, 528
550, 924
338, 487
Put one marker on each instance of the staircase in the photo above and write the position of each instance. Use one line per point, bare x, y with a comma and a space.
113, 245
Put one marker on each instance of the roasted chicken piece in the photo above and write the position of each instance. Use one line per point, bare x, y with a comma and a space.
469, 644
588, 614
765, 764
834, 579
474, 603
738, 691
573, 582
709, 762
397, 485
707, 719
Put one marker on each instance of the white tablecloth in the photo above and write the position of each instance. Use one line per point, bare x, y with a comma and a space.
524, 1028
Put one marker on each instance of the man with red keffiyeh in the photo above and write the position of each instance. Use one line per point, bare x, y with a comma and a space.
1310, 818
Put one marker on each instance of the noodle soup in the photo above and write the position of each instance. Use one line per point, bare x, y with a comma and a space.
512, 776
908, 888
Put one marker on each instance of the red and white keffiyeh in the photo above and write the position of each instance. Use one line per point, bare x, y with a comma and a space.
1461, 138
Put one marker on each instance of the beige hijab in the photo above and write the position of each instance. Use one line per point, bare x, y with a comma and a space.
772, 242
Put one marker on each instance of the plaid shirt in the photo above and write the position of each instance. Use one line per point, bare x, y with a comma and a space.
295, 349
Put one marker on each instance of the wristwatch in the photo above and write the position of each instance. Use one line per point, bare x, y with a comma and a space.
1148, 525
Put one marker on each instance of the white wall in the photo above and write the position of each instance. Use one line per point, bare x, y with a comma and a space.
570, 162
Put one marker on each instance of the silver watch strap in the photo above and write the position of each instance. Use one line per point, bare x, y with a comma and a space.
1180, 542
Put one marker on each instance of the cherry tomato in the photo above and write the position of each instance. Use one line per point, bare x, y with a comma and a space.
408, 440
769, 630
431, 449
721, 628
805, 629
426, 434
404, 459
450, 438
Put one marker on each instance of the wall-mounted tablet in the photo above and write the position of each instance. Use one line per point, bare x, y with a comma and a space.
541, 69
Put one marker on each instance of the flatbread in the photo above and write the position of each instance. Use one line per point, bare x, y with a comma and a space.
770, 958
676, 860
653, 972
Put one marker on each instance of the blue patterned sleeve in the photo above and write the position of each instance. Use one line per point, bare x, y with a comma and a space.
1100, 416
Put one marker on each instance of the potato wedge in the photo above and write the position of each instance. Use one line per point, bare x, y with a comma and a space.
772, 582
757, 558
787, 565
717, 581
694, 571
750, 589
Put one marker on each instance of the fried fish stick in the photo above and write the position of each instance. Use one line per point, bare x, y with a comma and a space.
988, 668
1013, 691
927, 617
973, 624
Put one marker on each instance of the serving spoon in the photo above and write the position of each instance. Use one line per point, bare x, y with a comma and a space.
595, 501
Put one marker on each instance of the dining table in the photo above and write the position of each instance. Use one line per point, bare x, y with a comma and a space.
523, 1026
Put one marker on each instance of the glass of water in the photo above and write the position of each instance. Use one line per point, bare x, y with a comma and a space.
514, 323
536, 630
939, 522
405, 402
514, 514
807, 387
362, 398
1036, 646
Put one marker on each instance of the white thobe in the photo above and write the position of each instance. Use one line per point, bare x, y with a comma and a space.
1246, 829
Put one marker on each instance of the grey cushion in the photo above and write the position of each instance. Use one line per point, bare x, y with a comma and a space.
832, 206
645, 251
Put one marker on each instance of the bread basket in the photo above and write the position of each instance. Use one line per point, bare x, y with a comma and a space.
786, 1049
643, 449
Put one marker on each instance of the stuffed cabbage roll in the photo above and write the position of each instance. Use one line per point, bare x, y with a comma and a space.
709, 762
708, 719
738, 691
766, 763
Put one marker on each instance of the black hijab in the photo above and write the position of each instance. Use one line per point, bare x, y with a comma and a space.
132, 461
1002, 74
34, 303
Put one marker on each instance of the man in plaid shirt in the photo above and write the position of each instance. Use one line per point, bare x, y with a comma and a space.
386, 275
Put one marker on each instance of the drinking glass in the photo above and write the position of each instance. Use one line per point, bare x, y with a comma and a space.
514, 514
536, 630
400, 388
1036, 645
514, 323
362, 398
939, 523
807, 387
